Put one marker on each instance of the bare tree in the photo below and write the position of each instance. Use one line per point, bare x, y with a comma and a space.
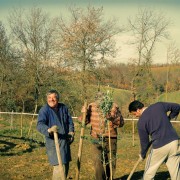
86, 41
8, 67
148, 29
173, 59
173, 54
33, 36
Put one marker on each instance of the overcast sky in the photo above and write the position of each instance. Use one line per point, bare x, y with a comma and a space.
120, 9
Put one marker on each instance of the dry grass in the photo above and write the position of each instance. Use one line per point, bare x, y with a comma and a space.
26, 159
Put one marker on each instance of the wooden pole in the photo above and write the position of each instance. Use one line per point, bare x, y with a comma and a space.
11, 122
110, 153
81, 141
59, 156
103, 155
134, 168
21, 124
133, 131
32, 120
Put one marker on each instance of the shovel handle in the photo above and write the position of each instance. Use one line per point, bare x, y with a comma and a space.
59, 156
134, 168
81, 142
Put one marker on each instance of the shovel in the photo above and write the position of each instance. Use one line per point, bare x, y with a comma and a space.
134, 168
54, 129
81, 142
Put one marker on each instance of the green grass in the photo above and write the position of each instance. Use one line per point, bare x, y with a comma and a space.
120, 96
25, 158
170, 97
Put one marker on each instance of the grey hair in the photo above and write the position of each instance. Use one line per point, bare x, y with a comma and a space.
52, 91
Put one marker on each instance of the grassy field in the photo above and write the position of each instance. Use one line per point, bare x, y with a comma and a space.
171, 97
120, 96
25, 157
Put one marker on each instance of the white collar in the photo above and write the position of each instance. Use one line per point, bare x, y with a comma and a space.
143, 109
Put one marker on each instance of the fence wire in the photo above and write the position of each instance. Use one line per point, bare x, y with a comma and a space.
24, 125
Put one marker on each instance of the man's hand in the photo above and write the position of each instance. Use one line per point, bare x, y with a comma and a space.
140, 157
109, 117
53, 129
70, 137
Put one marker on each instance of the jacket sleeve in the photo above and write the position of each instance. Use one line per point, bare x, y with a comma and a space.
174, 109
42, 124
144, 141
70, 122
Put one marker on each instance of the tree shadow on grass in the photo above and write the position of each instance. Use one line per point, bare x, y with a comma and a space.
139, 176
19, 147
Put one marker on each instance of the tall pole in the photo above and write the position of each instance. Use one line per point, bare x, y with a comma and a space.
110, 152
167, 76
61, 169
81, 141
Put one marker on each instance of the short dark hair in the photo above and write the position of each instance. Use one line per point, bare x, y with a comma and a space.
53, 91
135, 105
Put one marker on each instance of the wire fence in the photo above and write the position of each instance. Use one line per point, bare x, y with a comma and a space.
24, 126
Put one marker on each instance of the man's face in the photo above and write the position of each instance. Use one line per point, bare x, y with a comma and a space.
52, 100
136, 113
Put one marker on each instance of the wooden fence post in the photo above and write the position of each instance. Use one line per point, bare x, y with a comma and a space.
32, 121
110, 152
21, 124
81, 142
11, 121
133, 132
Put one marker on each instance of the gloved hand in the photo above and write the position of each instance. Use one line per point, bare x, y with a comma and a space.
53, 129
70, 137
141, 157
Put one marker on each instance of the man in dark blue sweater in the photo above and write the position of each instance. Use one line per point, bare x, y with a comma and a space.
155, 128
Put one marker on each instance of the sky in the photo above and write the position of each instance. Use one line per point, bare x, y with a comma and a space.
119, 9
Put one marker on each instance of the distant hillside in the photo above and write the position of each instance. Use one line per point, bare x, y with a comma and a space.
170, 97
160, 73
157, 69
121, 97
124, 97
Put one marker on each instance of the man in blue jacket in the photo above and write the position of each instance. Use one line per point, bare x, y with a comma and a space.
56, 114
155, 128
